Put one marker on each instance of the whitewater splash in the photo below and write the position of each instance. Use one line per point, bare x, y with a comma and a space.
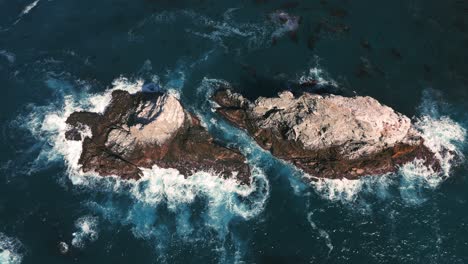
316, 75
443, 136
223, 200
9, 250
87, 231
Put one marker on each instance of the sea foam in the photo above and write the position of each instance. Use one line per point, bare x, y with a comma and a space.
26, 11
29, 7
9, 250
86, 231
316, 74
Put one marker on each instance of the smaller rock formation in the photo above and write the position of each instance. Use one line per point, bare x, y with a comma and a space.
328, 136
286, 24
145, 129
63, 248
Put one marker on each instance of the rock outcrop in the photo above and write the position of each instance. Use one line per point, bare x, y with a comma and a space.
145, 129
328, 136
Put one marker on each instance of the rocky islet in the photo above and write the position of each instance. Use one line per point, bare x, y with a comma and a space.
145, 129
328, 136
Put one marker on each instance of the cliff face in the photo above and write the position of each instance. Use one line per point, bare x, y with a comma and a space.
328, 136
146, 129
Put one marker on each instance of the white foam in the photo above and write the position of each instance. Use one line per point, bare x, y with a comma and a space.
26, 11
29, 7
123, 83
87, 231
316, 74
323, 234
415, 177
338, 189
223, 197
9, 250
444, 137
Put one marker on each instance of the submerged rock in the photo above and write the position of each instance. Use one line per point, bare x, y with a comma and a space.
145, 129
63, 248
286, 24
328, 136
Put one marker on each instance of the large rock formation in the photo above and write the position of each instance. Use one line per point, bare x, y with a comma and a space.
146, 129
327, 135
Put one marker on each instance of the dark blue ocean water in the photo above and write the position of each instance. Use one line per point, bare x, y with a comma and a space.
60, 56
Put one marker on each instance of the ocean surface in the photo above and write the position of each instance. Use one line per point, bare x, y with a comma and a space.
57, 57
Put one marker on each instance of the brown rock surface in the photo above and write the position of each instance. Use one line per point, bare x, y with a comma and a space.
145, 129
328, 136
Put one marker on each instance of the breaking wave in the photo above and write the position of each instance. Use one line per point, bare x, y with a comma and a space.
10, 250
